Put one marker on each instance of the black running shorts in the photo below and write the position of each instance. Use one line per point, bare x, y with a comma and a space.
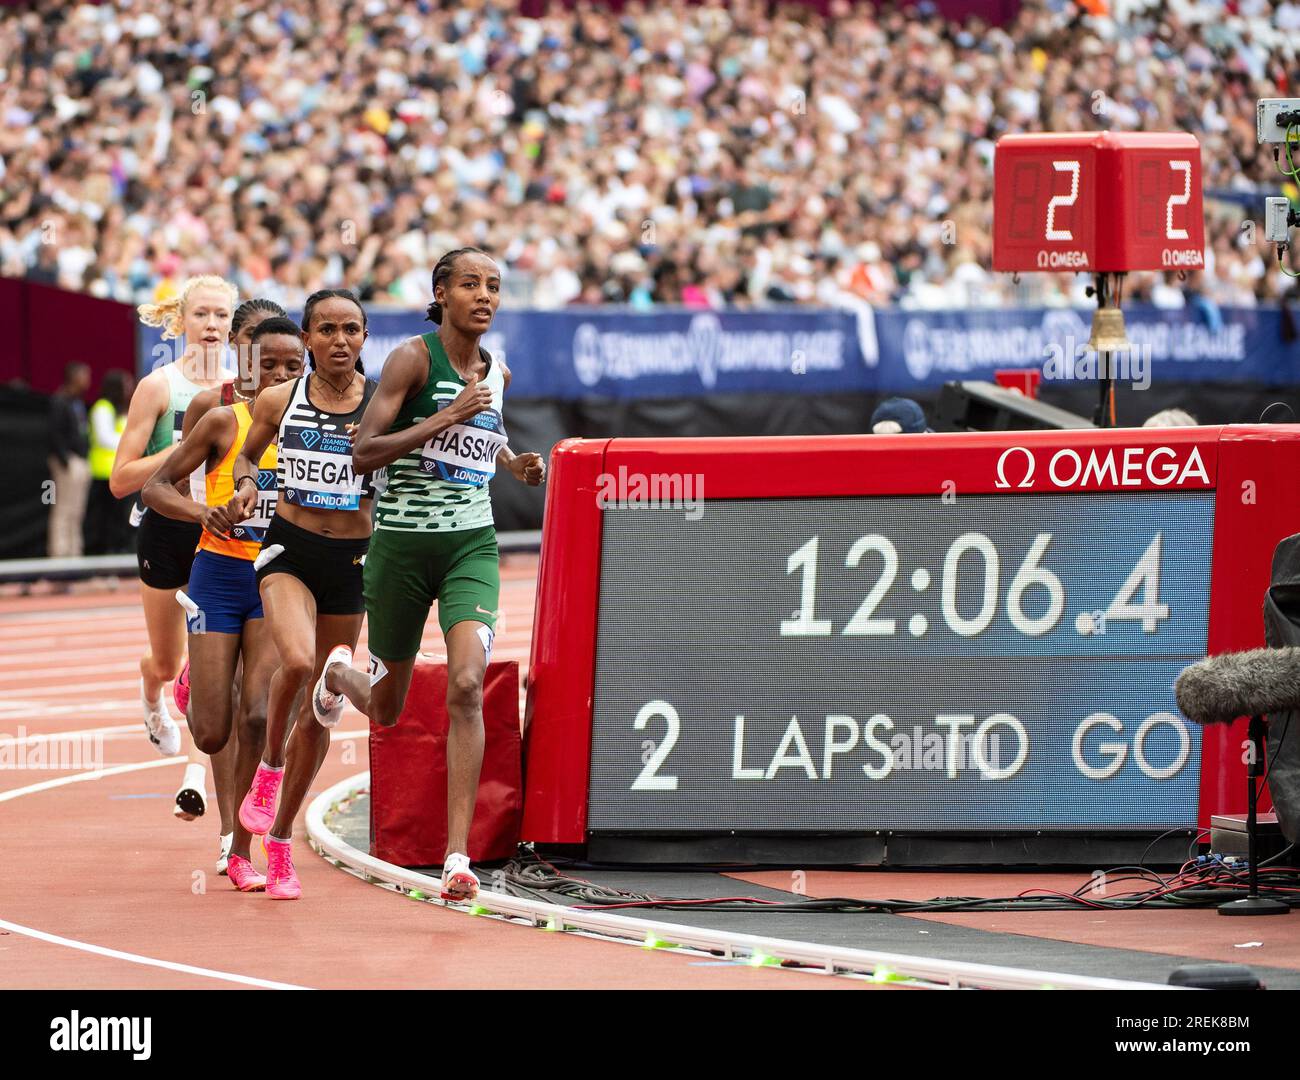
165, 550
330, 567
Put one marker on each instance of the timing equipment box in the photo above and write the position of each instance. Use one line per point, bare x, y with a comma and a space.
879, 641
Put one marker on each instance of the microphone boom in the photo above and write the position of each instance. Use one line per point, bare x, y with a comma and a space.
1219, 689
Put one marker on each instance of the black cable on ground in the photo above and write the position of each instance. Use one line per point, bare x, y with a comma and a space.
1205, 883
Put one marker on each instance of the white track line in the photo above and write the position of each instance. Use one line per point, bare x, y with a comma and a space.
68, 690
55, 658
128, 733
14, 710
147, 961
94, 774
70, 624
57, 641
70, 658
14, 740
132, 729
71, 614
66, 666
117, 954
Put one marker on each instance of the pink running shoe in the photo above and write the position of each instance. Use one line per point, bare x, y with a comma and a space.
242, 875
181, 688
281, 881
257, 811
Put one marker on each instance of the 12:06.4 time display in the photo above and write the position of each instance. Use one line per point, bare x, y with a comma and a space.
971, 591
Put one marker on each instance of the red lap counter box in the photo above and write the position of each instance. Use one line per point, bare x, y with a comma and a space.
408, 772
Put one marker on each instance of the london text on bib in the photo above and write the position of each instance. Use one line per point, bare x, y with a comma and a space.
466, 453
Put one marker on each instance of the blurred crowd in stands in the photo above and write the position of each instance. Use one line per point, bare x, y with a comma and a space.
716, 154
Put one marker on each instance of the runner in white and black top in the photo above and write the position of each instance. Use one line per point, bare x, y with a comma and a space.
201, 311
309, 572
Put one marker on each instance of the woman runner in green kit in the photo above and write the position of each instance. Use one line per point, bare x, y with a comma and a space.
435, 421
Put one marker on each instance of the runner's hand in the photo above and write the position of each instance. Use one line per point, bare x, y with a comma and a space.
218, 520
471, 401
530, 468
241, 507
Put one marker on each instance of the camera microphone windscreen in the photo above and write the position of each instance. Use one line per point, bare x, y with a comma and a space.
1219, 689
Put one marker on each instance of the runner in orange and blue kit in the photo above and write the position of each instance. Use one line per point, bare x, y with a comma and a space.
227, 617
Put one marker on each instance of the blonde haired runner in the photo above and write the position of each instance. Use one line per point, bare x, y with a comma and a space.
201, 313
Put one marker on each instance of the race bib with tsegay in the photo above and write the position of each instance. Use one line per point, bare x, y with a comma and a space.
318, 469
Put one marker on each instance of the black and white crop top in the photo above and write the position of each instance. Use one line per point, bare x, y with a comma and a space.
315, 458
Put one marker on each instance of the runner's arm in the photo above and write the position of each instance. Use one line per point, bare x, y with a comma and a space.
214, 431
528, 467
202, 404
261, 433
130, 470
405, 371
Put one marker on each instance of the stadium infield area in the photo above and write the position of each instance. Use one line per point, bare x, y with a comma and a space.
103, 889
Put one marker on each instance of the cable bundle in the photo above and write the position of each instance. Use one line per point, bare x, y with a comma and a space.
1204, 881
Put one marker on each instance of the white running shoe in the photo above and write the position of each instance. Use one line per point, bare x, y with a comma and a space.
223, 860
459, 882
329, 707
162, 729
192, 798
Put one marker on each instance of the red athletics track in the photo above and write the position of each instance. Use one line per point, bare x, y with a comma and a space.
102, 862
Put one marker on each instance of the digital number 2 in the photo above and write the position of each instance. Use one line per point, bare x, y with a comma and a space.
649, 779
1053, 233
1185, 167
862, 621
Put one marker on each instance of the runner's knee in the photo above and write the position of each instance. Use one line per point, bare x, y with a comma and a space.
464, 692
209, 740
296, 668
162, 668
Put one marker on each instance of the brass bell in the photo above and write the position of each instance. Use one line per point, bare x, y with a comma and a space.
1108, 333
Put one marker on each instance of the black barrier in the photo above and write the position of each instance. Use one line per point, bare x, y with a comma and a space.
26, 490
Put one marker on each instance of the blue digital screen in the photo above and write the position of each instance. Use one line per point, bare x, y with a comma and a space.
978, 663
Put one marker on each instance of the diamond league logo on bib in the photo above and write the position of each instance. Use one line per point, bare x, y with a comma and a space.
466, 453
267, 496
334, 443
318, 469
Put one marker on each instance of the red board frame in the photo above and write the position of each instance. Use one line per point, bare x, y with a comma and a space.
1254, 471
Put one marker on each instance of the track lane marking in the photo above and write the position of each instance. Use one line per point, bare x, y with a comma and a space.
118, 954
92, 774
147, 961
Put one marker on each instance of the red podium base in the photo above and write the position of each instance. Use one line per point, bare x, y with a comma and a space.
408, 772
